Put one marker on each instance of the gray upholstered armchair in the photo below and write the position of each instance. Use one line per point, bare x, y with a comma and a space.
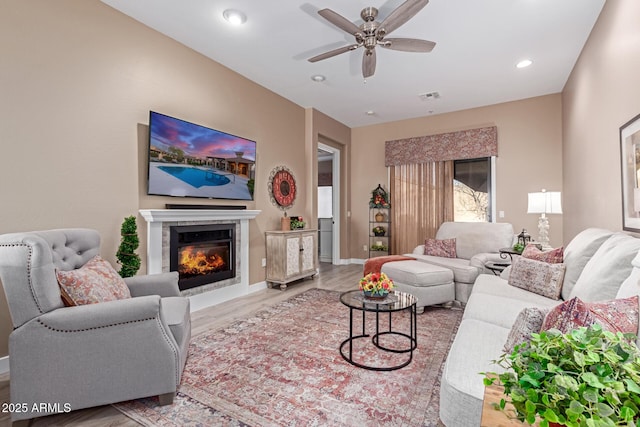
93, 354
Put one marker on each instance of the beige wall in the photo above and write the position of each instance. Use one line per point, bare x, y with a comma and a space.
529, 158
602, 94
322, 128
78, 81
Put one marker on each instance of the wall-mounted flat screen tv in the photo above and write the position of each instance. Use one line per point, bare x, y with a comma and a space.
189, 160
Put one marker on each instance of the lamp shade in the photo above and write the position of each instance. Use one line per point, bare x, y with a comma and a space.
545, 202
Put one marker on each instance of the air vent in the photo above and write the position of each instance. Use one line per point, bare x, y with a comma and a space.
429, 95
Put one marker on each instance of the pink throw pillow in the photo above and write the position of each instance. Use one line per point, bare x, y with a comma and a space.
538, 277
553, 256
443, 248
94, 282
616, 315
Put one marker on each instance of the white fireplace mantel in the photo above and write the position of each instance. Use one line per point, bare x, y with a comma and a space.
170, 215
157, 217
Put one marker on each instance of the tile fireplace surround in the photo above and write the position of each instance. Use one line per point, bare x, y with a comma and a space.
158, 223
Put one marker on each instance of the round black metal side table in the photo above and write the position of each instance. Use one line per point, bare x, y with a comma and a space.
395, 302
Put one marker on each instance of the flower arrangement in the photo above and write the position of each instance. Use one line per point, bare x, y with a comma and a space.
379, 198
379, 230
376, 284
297, 222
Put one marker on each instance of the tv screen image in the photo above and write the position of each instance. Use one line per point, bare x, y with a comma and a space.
189, 160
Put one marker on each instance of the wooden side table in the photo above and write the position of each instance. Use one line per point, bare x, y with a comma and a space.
492, 417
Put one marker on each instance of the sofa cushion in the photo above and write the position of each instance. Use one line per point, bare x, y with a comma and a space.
553, 256
631, 285
476, 237
529, 321
500, 310
474, 347
490, 284
603, 275
578, 252
616, 315
445, 248
94, 282
462, 271
538, 277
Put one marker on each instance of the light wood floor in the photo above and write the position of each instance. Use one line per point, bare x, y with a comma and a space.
339, 278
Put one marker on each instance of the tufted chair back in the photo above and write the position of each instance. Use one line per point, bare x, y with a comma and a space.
28, 262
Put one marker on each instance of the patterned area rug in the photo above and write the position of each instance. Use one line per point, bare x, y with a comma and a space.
282, 367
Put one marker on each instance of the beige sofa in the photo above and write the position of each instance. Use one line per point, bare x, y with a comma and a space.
600, 265
476, 244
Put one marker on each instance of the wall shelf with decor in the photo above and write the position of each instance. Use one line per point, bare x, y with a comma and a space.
379, 223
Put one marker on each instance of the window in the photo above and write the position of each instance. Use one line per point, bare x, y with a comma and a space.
472, 188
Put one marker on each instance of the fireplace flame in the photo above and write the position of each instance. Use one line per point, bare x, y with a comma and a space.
196, 262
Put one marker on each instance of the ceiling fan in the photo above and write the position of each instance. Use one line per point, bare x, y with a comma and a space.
373, 33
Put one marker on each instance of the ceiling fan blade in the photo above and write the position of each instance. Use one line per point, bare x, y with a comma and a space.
402, 14
333, 53
339, 21
408, 45
368, 63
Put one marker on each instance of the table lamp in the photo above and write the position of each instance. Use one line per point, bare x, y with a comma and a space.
544, 202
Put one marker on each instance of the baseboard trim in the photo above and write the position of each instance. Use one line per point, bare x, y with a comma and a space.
4, 365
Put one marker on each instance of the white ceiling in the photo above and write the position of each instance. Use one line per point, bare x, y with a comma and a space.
473, 64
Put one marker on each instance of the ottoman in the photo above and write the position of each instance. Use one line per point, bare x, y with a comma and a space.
429, 283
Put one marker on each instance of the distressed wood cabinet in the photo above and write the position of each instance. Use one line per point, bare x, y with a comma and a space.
291, 255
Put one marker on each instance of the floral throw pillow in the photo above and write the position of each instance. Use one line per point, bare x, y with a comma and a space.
616, 315
444, 248
94, 282
537, 276
529, 321
553, 256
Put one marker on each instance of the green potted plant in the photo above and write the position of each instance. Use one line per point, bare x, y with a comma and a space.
129, 242
585, 378
297, 222
377, 247
379, 230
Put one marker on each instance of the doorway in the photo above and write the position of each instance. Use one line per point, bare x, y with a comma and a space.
328, 204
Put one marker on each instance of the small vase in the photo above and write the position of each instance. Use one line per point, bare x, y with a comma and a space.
379, 217
379, 234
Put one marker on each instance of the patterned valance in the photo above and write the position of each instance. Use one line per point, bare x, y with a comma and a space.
465, 144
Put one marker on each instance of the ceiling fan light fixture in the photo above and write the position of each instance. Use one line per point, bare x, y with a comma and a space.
524, 63
234, 17
318, 78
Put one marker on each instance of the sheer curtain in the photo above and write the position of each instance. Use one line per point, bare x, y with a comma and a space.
422, 199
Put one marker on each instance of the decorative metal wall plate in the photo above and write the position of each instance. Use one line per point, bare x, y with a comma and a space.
282, 187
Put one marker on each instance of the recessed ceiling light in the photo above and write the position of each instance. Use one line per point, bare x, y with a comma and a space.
234, 17
318, 78
524, 63
370, 113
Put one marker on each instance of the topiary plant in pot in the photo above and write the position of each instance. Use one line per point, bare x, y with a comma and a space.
585, 378
129, 242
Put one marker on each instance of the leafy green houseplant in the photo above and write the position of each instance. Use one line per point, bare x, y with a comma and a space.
297, 222
129, 242
585, 378
378, 230
378, 247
